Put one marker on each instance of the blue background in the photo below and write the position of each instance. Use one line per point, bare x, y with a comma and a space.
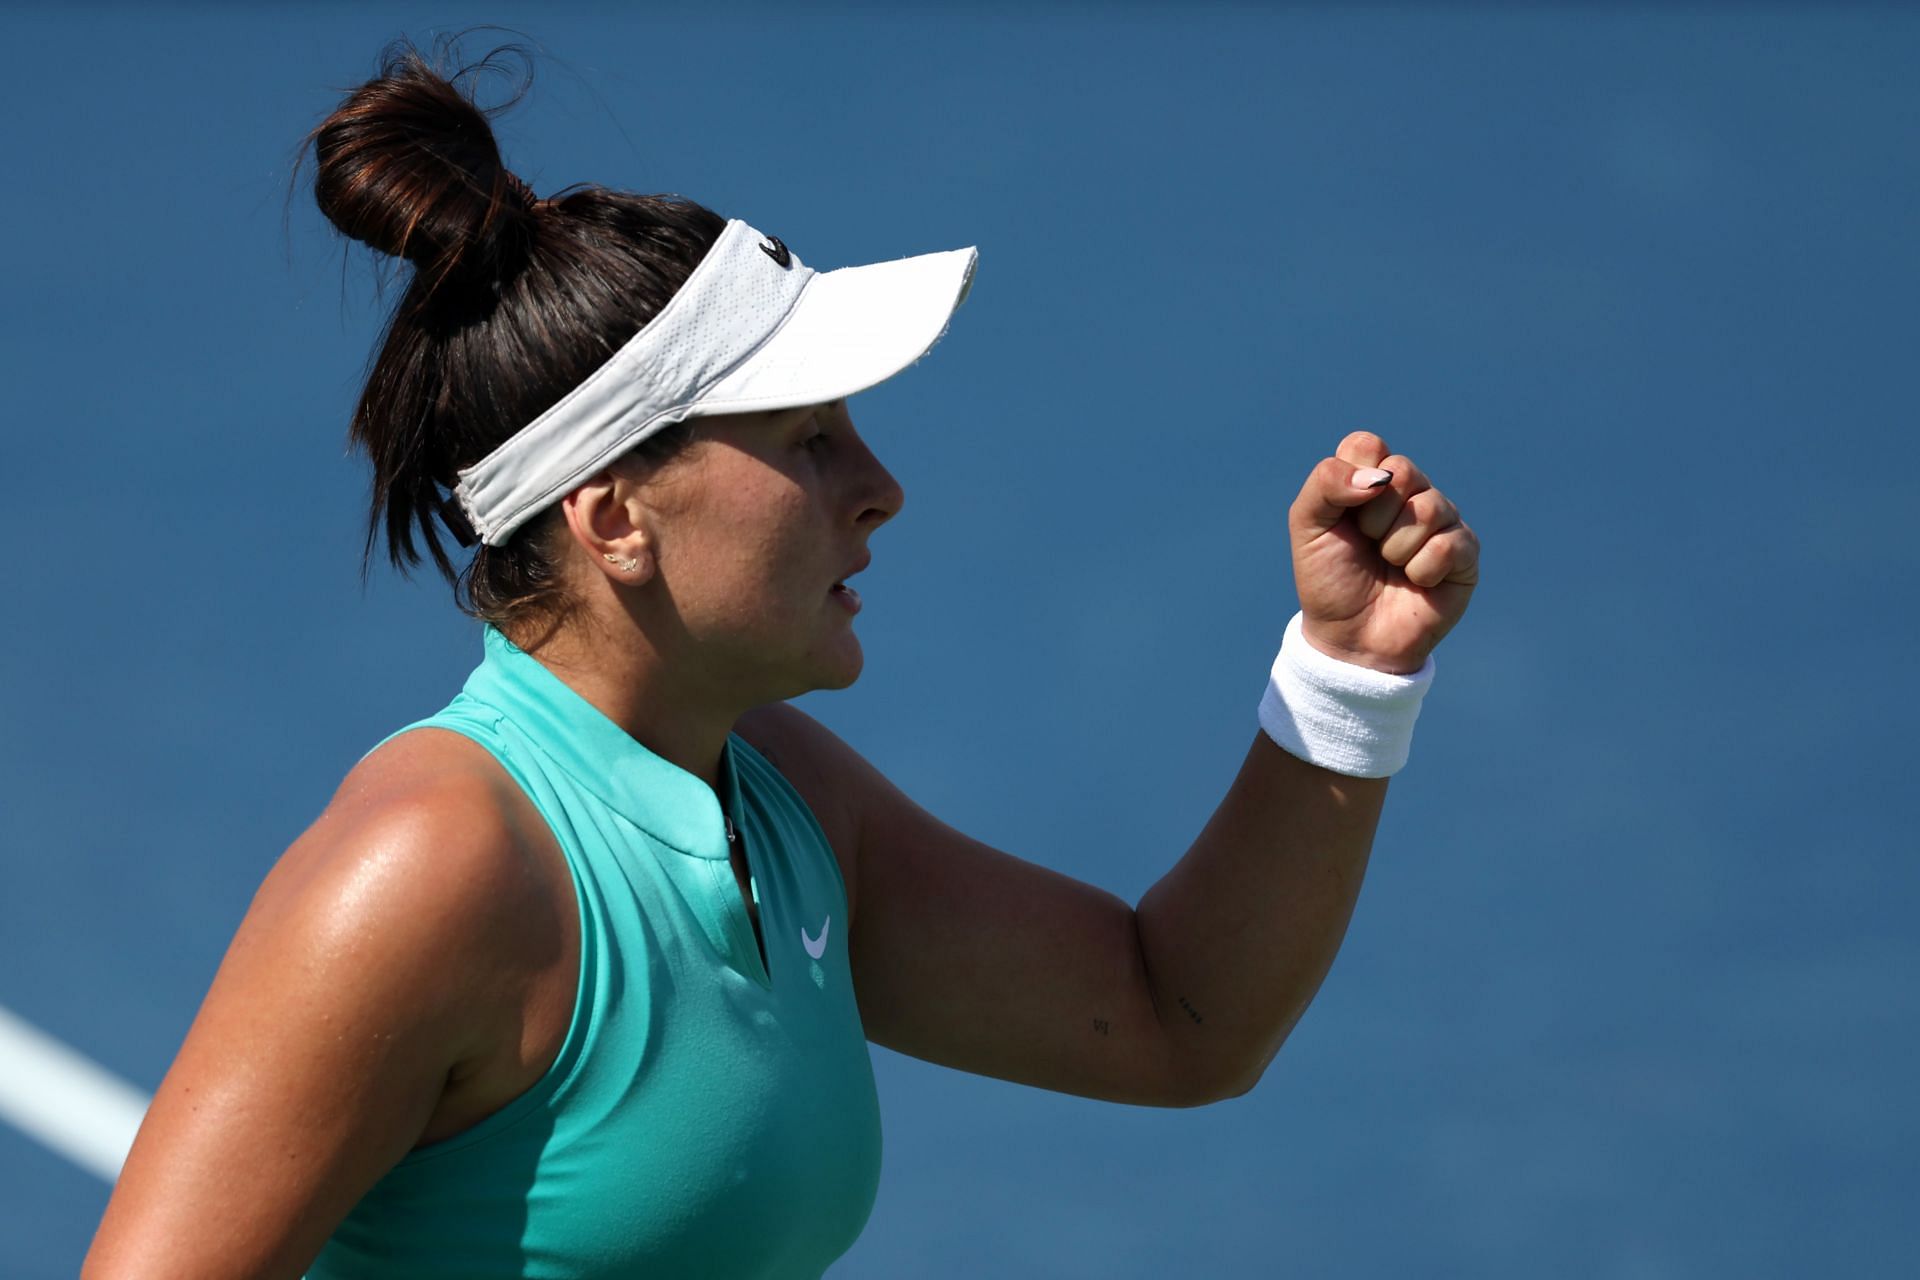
1632, 988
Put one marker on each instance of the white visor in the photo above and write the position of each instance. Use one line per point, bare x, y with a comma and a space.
751, 329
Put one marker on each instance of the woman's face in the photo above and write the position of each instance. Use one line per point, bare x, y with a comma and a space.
753, 531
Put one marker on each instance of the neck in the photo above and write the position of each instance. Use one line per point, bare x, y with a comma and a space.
625, 678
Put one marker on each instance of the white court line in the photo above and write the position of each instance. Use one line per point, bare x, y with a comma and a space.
65, 1101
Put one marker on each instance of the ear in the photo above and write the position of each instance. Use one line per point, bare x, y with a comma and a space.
608, 519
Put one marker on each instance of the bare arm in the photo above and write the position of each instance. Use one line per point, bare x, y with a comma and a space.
1242, 931
1244, 928
978, 960
364, 983
973, 958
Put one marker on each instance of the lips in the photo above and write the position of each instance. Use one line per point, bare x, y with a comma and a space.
845, 595
866, 558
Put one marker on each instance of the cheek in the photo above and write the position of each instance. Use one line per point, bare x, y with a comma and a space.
742, 567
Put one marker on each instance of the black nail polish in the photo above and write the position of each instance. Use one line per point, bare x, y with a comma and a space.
1378, 483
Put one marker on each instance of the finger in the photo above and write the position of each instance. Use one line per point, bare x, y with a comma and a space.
1329, 493
1378, 516
1452, 555
1362, 449
1425, 514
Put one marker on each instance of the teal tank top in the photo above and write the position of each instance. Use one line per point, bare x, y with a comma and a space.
708, 1115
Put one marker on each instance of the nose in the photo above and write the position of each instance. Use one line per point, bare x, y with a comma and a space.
878, 497
885, 496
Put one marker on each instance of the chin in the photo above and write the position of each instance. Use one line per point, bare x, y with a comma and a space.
846, 668
844, 682
826, 672
845, 677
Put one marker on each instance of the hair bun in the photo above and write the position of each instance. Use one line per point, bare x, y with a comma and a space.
408, 164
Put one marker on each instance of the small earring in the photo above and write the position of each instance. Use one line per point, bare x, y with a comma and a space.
621, 562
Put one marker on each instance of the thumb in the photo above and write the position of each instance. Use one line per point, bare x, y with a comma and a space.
1333, 488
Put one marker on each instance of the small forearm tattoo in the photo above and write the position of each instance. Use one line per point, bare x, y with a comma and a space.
1100, 1025
1191, 1011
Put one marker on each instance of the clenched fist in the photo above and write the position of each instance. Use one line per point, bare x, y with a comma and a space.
1383, 567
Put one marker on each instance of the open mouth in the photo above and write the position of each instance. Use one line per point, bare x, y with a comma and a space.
845, 594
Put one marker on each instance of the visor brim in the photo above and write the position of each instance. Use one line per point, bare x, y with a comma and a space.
851, 329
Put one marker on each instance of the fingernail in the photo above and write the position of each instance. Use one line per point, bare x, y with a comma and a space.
1370, 478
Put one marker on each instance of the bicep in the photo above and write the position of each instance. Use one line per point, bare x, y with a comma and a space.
976, 959
281, 1109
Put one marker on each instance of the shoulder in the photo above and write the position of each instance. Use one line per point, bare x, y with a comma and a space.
429, 810
441, 795
423, 877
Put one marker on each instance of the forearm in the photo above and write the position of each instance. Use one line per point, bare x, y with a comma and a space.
1239, 934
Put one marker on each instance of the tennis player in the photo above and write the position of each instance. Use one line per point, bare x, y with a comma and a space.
574, 978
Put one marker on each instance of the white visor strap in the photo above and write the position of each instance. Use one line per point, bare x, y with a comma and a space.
735, 300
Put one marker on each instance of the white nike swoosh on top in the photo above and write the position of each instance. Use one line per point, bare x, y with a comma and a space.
816, 947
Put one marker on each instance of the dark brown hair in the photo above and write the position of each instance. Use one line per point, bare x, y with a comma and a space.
511, 302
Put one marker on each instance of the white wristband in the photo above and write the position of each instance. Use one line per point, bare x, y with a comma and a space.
1340, 715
